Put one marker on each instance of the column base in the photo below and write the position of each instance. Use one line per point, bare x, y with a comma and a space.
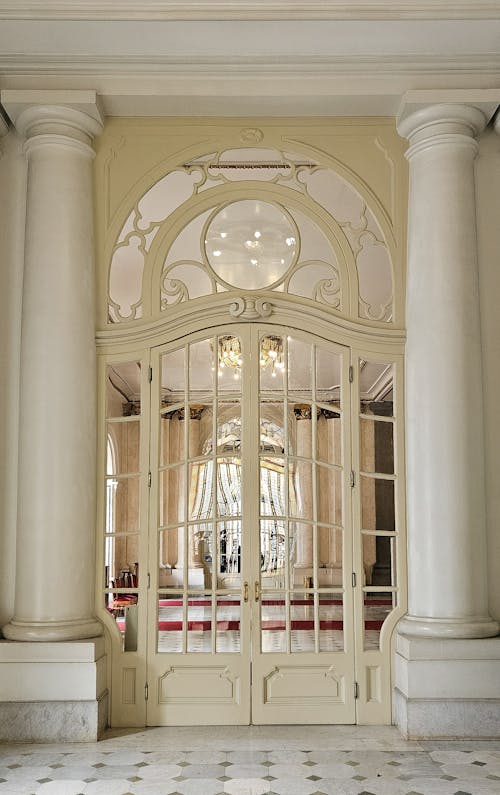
53, 692
447, 688
459, 628
49, 631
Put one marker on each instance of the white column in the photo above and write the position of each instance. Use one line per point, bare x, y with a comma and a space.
303, 486
57, 467
444, 408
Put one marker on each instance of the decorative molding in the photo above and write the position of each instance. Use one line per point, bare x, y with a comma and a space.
256, 10
251, 135
250, 308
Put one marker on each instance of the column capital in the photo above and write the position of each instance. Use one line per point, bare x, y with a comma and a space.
72, 114
425, 115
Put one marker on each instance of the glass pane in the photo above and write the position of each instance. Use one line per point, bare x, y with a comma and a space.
272, 553
124, 609
122, 505
302, 622
377, 607
377, 447
123, 389
170, 568
301, 441
272, 486
273, 624
272, 363
229, 487
272, 427
229, 364
378, 560
171, 496
329, 437
376, 383
300, 372
228, 624
118, 573
303, 546
123, 447
198, 576
229, 552
377, 504
173, 378
328, 377
202, 361
170, 623
331, 622
303, 489
329, 490
229, 427
330, 563
172, 441
199, 636
201, 490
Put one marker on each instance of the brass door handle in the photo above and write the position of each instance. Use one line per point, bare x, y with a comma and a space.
256, 590
245, 592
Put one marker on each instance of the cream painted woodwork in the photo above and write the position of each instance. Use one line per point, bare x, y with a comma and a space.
168, 195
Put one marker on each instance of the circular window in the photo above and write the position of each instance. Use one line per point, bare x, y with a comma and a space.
251, 244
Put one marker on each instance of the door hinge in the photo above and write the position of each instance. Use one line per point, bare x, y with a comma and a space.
149, 580
150, 374
353, 579
146, 691
352, 479
356, 690
149, 480
351, 373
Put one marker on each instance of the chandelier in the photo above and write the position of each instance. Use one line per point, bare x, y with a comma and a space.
271, 355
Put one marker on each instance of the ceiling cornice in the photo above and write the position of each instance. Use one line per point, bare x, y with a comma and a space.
229, 66
256, 10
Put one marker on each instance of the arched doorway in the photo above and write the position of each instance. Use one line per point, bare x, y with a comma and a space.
259, 564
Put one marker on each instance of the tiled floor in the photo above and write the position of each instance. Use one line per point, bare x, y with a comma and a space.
314, 760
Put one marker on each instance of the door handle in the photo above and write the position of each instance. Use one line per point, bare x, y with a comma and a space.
245, 592
256, 590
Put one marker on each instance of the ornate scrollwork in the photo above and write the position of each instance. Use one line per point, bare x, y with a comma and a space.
250, 308
327, 291
177, 290
251, 135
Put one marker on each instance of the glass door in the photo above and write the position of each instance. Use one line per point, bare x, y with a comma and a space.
248, 548
302, 638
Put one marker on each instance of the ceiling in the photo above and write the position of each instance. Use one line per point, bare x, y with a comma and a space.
266, 57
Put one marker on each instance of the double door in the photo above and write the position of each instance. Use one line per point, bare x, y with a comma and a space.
250, 605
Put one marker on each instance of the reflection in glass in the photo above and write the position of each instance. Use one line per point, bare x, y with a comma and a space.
125, 440
328, 377
199, 627
123, 389
171, 495
273, 623
202, 363
122, 504
377, 504
302, 622
124, 609
228, 624
300, 368
377, 607
329, 437
379, 560
173, 378
376, 386
170, 620
377, 446
331, 622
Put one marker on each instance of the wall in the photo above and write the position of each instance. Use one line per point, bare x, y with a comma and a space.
488, 199
12, 215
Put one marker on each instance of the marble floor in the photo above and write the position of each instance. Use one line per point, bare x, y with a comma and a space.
286, 760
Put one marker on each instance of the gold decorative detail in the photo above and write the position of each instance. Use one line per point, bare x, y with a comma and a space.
251, 135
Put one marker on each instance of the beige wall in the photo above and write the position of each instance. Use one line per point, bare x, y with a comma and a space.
488, 196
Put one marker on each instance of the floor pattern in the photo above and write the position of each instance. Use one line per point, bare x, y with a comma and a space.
256, 760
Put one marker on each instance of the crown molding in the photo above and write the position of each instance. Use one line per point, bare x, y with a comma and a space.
227, 67
256, 10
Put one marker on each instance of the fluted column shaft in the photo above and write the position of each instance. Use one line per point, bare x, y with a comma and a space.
444, 410
57, 467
